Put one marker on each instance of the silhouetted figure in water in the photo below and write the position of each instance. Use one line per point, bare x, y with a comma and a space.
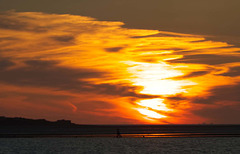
118, 134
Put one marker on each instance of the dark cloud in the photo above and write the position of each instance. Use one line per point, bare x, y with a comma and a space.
114, 49
5, 63
221, 93
49, 74
63, 38
7, 39
38, 98
193, 74
227, 114
40, 63
9, 20
176, 98
46, 73
12, 24
120, 90
210, 59
7, 42
233, 71
176, 101
223, 106
33, 96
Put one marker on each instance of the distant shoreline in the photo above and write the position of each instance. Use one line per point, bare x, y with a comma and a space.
168, 135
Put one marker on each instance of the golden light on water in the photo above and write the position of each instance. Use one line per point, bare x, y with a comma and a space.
103, 71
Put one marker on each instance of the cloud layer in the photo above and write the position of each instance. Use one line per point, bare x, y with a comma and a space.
97, 72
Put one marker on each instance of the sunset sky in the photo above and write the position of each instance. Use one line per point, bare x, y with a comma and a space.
121, 62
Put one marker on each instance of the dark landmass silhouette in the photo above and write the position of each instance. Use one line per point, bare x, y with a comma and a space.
18, 121
22, 127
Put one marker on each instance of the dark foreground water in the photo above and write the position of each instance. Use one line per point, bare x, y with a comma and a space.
194, 145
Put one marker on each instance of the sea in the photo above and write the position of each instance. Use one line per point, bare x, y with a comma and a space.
128, 145
126, 139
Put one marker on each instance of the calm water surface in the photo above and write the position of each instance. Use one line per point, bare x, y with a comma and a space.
194, 145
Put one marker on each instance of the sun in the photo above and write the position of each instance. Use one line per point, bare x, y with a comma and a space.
156, 79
